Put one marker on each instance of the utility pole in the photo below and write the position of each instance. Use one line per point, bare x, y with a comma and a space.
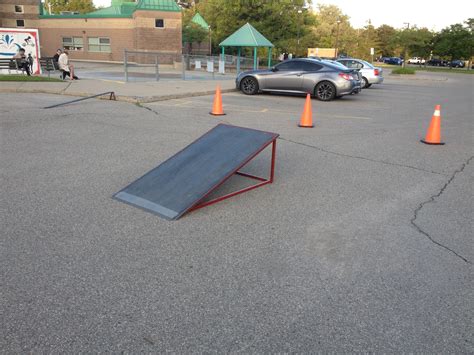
298, 20
405, 48
210, 41
337, 38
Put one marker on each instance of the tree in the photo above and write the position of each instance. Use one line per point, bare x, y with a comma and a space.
386, 41
279, 21
455, 41
415, 42
81, 6
193, 33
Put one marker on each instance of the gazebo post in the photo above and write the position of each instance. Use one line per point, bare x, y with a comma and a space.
254, 58
269, 57
223, 53
238, 60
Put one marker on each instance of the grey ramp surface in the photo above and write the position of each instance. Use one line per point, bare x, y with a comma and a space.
179, 183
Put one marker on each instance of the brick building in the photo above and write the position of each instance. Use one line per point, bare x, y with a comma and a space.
153, 25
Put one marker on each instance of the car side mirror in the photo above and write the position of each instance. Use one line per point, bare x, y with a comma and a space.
274, 69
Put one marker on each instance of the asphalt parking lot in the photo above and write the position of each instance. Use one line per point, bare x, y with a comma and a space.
362, 244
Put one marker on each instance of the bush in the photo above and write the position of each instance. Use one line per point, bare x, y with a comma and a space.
403, 71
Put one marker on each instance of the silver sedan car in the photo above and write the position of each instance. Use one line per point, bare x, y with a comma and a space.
325, 81
370, 74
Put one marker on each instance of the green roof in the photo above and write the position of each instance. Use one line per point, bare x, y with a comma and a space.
199, 20
246, 36
158, 5
124, 8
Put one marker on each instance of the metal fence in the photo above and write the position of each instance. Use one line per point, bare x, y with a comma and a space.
200, 66
145, 65
154, 66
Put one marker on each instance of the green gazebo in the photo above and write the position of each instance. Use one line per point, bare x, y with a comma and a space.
247, 36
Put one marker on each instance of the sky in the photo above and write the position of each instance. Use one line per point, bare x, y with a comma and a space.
394, 13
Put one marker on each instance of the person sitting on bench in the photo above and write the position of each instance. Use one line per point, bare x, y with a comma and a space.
23, 64
66, 68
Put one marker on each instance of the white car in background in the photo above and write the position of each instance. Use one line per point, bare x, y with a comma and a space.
370, 74
416, 60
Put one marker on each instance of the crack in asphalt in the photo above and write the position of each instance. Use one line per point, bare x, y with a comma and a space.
431, 200
146, 108
67, 87
359, 157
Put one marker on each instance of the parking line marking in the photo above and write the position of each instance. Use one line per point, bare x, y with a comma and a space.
113, 81
235, 108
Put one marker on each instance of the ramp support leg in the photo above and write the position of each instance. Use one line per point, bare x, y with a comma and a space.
263, 181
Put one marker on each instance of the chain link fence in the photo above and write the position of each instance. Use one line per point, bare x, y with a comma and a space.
154, 66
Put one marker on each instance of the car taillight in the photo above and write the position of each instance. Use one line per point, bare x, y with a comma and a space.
376, 72
345, 76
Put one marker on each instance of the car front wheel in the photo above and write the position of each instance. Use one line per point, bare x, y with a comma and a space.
325, 91
249, 85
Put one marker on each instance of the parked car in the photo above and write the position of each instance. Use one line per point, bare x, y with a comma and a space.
393, 61
323, 80
437, 62
370, 74
456, 63
416, 60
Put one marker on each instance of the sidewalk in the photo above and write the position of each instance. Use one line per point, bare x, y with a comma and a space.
140, 92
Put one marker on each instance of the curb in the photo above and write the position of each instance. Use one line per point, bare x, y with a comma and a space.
130, 99
412, 77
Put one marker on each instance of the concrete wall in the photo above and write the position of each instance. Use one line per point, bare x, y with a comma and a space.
8, 16
120, 31
148, 37
137, 33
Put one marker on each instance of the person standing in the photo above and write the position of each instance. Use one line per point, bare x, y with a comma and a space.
20, 58
66, 68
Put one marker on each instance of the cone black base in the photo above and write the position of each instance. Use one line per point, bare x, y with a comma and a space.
217, 114
423, 141
305, 126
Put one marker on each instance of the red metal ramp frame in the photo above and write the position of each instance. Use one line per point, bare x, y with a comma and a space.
263, 181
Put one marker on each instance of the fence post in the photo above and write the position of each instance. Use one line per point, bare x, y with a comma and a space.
183, 70
157, 73
125, 64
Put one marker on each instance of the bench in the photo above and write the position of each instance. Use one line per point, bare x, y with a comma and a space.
48, 64
9, 64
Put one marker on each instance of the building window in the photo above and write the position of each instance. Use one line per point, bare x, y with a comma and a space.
159, 23
73, 43
99, 44
19, 9
20, 23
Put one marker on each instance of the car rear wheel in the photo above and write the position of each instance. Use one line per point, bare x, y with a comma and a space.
365, 82
325, 91
249, 85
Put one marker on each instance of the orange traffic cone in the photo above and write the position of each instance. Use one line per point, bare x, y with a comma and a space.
307, 116
217, 106
433, 135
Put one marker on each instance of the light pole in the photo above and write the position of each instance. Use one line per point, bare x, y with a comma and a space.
337, 38
210, 40
405, 44
298, 45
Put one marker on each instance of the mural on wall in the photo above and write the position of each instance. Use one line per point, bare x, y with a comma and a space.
12, 39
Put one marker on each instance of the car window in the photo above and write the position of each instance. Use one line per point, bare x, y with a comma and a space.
290, 66
354, 64
307, 66
367, 64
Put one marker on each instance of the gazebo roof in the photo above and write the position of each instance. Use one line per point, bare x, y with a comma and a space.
199, 20
246, 36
